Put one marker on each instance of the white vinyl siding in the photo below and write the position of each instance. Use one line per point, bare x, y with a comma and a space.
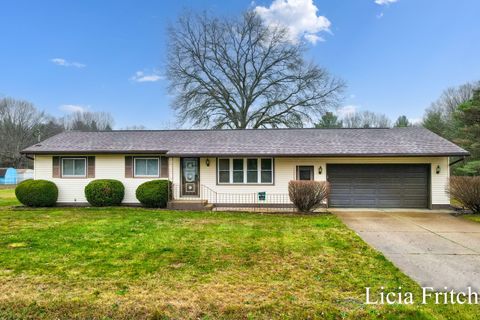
113, 167
110, 166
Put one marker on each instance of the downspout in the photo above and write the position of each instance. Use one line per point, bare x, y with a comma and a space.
457, 161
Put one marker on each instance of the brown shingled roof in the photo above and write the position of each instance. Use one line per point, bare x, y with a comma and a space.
413, 141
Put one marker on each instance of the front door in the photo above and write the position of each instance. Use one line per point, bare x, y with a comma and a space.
190, 171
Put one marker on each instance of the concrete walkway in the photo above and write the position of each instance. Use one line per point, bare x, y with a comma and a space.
433, 248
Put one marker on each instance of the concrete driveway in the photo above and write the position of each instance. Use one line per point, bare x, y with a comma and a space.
433, 248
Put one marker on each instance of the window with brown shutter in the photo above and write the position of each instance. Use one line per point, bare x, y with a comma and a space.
91, 167
55, 167
73, 167
128, 167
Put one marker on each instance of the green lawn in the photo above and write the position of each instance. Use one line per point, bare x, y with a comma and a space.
7, 197
125, 263
473, 217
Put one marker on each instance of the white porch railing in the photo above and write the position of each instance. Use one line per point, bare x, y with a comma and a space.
249, 198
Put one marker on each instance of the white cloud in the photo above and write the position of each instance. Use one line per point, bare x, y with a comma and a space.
347, 110
385, 2
74, 108
141, 76
65, 63
298, 16
380, 15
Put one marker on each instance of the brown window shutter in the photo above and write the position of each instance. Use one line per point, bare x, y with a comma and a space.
56, 167
163, 167
91, 167
128, 167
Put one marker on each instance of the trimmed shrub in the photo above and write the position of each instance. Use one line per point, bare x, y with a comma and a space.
466, 190
37, 193
154, 194
104, 192
308, 195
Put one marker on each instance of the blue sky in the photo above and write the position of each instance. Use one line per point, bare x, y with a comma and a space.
396, 56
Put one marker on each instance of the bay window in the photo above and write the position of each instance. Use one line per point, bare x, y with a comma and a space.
245, 170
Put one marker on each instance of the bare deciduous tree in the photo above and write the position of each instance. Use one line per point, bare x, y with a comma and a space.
20, 126
452, 97
88, 121
242, 73
439, 117
366, 119
135, 127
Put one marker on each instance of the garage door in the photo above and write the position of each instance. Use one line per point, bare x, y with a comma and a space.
378, 185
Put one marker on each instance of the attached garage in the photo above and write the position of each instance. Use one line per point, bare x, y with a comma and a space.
379, 185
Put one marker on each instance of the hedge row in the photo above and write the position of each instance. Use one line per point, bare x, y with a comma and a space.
99, 193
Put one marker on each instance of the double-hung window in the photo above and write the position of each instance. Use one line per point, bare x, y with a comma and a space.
74, 167
245, 170
146, 167
223, 170
238, 172
252, 170
267, 171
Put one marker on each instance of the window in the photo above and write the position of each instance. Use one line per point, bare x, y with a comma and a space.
245, 170
305, 173
146, 167
237, 170
224, 170
74, 167
252, 170
267, 171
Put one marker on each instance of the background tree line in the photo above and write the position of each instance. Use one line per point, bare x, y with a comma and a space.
22, 125
365, 119
241, 73
456, 117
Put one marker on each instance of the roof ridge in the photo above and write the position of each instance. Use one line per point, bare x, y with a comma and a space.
247, 129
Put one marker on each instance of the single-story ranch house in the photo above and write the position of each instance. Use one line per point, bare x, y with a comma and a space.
398, 167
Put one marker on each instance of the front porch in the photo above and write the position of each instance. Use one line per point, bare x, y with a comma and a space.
208, 199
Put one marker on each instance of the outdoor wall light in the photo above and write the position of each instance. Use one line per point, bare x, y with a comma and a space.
438, 169
207, 162
320, 169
